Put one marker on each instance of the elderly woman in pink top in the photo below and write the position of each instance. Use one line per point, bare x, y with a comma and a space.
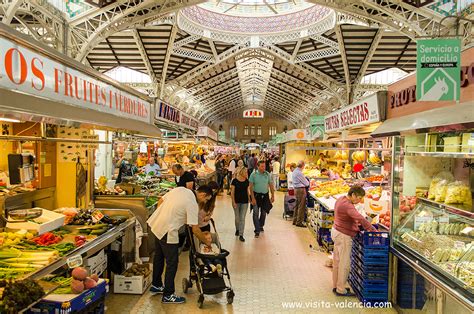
346, 226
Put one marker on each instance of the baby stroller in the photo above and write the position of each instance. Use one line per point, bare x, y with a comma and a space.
208, 283
289, 205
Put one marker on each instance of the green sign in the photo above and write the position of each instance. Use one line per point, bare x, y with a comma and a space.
221, 136
280, 138
438, 64
316, 127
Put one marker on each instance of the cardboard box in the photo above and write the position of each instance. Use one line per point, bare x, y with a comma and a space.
97, 264
69, 303
452, 144
48, 221
133, 284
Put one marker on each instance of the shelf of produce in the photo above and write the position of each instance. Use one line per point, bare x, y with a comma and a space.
456, 209
327, 203
88, 249
442, 154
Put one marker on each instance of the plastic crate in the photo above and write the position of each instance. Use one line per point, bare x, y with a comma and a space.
378, 277
368, 295
375, 262
379, 283
374, 251
373, 239
327, 224
369, 268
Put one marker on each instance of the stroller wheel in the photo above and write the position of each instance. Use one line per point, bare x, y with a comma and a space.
230, 297
200, 301
186, 285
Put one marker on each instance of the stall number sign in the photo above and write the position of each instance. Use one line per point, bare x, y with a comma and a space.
362, 112
26, 71
438, 62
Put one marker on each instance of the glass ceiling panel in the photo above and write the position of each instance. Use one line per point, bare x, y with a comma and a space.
126, 75
71, 8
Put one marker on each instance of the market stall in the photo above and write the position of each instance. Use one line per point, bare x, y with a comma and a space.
48, 147
432, 215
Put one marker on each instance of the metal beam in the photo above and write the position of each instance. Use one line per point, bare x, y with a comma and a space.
342, 49
169, 50
326, 41
217, 79
213, 49
11, 10
297, 48
185, 41
368, 57
144, 55
316, 55
187, 77
193, 54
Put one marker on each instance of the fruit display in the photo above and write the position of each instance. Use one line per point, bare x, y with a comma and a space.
12, 238
374, 159
374, 193
341, 155
326, 189
385, 219
358, 156
18, 295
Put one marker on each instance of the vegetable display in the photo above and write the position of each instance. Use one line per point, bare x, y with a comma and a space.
19, 295
14, 263
47, 238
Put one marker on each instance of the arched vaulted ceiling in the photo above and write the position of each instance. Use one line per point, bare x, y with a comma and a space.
293, 75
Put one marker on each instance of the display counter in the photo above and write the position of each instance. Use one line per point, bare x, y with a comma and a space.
125, 231
327, 203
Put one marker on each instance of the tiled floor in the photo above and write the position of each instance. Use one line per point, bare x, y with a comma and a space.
276, 273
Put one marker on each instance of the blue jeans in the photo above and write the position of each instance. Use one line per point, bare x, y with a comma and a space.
240, 211
259, 216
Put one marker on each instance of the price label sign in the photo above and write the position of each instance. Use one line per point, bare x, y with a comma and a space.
421, 220
459, 245
97, 216
74, 261
443, 219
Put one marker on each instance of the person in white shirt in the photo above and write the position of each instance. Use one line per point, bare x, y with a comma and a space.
152, 167
276, 173
289, 176
176, 208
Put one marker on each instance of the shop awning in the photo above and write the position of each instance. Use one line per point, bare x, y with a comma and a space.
25, 107
457, 114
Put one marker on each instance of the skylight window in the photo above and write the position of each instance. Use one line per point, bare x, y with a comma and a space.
384, 77
126, 75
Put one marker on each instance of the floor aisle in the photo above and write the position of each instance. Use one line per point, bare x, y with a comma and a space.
276, 273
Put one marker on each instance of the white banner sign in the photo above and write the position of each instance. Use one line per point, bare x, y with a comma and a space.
204, 131
296, 135
364, 111
23, 70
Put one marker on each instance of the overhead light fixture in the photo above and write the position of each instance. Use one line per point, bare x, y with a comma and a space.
9, 120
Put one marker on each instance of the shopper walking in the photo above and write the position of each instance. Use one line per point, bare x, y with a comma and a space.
231, 172
346, 226
276, 173
178, 207
220, 171
251, 164
240, 200
183, 178
260, 187
300, 183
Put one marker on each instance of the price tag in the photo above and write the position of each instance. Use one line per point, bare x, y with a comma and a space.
74, 261
422, 220
97, 216
459, 245
443, 219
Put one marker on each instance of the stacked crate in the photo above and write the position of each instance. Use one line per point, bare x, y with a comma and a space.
410, 287
370, 267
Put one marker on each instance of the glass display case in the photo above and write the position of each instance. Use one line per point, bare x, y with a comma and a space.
434, 233
442, 240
